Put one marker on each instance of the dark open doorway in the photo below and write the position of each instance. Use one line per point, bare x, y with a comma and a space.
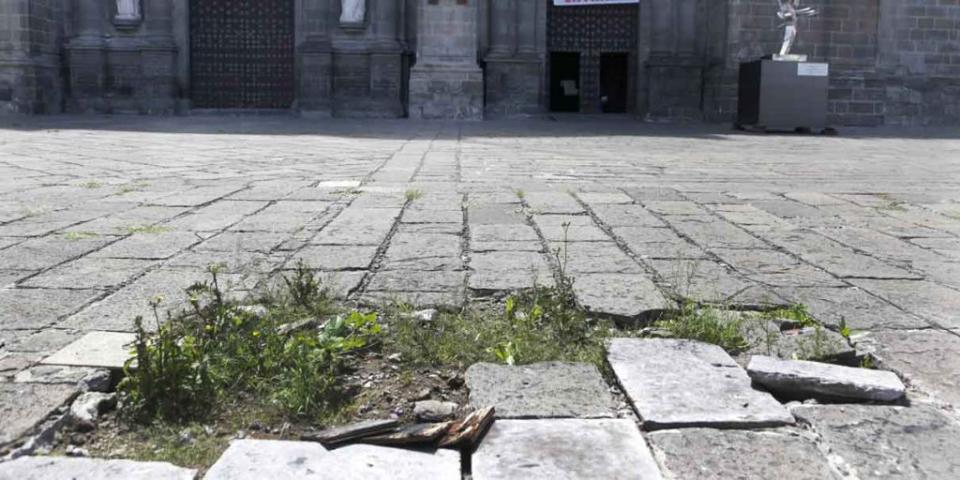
564, 81
613, 82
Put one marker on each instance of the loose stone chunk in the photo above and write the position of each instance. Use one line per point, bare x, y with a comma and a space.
540, 390
48, 468
884, 442
276, 460
564, 449
682, 383
707, 454
801, 379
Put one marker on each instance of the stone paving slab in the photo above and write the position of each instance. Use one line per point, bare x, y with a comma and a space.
62, 468
39, 308
803, 379
95, 349
928, 359
874, 442
619, 294
564, 449
540, 390
90, 273
707, 454
934, 303
24, 405
681, 383
279, 460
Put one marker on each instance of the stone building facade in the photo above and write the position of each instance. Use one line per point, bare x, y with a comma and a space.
892, 61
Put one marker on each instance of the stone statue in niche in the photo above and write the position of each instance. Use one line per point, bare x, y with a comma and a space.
352, 12
790, 12
128, 13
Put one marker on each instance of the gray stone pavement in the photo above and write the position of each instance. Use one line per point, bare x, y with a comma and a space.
100, 214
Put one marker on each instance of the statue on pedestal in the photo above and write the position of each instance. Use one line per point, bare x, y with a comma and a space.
790, 12
352, 12
128, 14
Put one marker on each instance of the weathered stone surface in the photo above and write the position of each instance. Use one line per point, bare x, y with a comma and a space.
158, 245
416, 281
335, 257
242, 242
86, 409
593, 257
859, 309
811, 343
934, 303
622, 295
570, 228
45, 252
707, 454
802, 379
771, 267
874, 442
928, 359
34, 308
57, 468
90, 273
625, 215
423, 252
24, 405
95, 349
54, 374
500, 271
259, 459
564, 449
540, 390
681, 383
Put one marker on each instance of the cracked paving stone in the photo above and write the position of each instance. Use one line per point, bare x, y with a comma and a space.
504, 271
649, 242
594, 257
368, 226
9, 277
215, 217
859, 309
432, 216
683, 384
711, 282
416, 281
624, 295
335, 257
24, 405
707, 454
928, 359
564, 449
874, 441
496, 214
675, 208
605, 198
934, 303
90, 273
540, 390
502, 233
95, 349
161, 245
626, 216
259, 459
835, 258
229, 262
580, 229
775, 268
38, 308
714, 233
41, 253
242, 242
54, 374
44, 341
423, 252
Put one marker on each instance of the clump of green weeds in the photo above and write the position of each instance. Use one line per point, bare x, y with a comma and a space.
218, 350
413, 194
145, 229
706, 324
76, 236
92, 184
796, 313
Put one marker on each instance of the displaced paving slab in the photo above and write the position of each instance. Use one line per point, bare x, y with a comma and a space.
564, 449
279, 460
709, 454
887, 442
63, 468
682, 384
801, 379
540, 390
95, 349
24, 405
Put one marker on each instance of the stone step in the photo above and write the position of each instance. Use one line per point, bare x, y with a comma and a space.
64, 468
682, 383
271, 459
802, 379
564, 449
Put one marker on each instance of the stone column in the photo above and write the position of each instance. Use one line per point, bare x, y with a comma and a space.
314, 58
503, 27
386, 59
159, 58
87, 58
527, 27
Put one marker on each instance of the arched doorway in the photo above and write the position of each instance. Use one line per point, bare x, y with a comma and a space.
242, 54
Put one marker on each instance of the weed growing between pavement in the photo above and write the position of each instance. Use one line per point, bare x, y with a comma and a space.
706, 324
219, 350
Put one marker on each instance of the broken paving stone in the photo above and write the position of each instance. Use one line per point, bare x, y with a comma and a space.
354, 431
417, 434
434, 411
465, 433
51, 468
24, 405
95, 349
682, 383
619, 294
540, 390
776, 338
86, 409
260, 459
564, 449
708, 454
883, 442
801, 379
54, 374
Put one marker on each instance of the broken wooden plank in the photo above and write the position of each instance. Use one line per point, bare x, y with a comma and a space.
417, 434
354, 431
467, 432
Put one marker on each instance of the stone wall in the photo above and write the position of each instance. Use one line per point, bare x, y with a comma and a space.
30, 64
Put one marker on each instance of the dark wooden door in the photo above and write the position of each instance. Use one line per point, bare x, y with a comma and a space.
241, 53
613, 82
565, 81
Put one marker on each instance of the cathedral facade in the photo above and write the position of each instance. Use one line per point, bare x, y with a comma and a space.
891, 61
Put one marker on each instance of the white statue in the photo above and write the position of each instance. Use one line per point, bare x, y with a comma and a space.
352, 11
790, 12
128, 10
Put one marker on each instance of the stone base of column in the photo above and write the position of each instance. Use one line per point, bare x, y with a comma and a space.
315, 71
30, 86
87, 79
160, 80
446, 92
514, 86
